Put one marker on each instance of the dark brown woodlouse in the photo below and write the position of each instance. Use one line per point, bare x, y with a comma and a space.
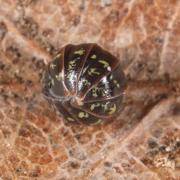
85, 83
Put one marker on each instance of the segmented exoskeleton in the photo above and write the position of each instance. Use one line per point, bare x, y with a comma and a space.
85, 83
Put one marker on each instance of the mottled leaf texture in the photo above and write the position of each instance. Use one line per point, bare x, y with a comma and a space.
48, 140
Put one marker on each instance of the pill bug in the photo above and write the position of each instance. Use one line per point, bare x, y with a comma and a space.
85, 83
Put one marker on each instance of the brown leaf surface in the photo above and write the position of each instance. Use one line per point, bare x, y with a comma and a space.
143, 143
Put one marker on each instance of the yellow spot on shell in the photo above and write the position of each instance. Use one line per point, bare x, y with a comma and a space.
93, 71
98, 121
70, 119
93, 56
83, 115
116, 83
94, 92
105, 106
94, 105
72, 62
71, 65
112, 109
59, 76
86, 82
105, 63
52, 66
79, 52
